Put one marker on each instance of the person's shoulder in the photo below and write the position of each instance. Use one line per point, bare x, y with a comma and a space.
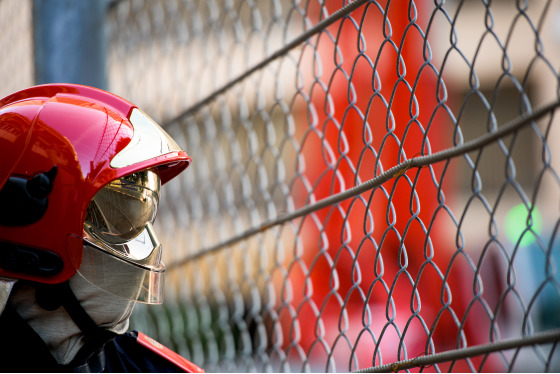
136, 351
166, 353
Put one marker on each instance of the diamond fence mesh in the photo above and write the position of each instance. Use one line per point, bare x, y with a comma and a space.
374, 184
372, 187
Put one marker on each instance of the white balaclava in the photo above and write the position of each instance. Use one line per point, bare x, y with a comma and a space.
56, 328
6, 285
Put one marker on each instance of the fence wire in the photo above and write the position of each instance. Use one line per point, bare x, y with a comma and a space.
372, 185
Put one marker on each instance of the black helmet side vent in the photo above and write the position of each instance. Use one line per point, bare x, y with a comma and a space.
24, 201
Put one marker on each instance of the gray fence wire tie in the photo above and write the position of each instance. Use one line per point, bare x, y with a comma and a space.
370, 184
339, 14
457, 354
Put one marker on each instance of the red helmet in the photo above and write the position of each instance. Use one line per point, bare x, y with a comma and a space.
60, 145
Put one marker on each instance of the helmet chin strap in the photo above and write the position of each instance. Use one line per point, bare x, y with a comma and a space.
52, 296
90, 358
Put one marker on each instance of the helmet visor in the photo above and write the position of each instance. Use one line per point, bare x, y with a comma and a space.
121, 209
121, 252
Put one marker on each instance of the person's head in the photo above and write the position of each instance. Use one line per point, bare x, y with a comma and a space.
80, 177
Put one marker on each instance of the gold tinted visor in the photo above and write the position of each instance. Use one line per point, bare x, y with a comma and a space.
121, 253
121, 210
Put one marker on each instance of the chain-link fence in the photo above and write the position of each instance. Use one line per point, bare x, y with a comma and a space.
337, 215
374, 183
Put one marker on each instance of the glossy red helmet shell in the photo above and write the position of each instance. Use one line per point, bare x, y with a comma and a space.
77, 130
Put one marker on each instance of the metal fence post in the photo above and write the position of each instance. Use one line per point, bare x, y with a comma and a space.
70, 42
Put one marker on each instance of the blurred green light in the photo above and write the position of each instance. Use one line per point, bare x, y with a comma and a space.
516, 225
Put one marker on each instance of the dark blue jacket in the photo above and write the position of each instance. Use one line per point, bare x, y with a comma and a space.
22, 350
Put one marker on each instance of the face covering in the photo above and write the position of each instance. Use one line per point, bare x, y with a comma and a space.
63, 338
